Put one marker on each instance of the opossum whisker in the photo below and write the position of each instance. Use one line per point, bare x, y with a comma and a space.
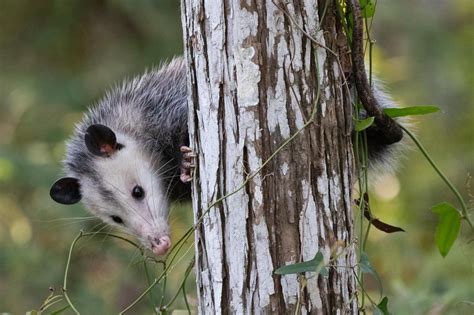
173, 222
165, 171
67, 224
152, 179
178, 198
152, 197
106, 235
125, 200
172, 207
155, 175
134, 255
120, 228
171, 176
105, 210
120, 231
64, 222
152, 216
93, 232
168, 170
92, 229
157, 160
168, 190
171, 185
67, 219
169, 211
161, 166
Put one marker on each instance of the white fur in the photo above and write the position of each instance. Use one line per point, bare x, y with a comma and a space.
120, 173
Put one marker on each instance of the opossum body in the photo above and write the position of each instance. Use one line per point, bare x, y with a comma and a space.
124, 160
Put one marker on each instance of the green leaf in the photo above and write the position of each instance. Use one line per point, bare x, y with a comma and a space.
314, 265
448, 226
364, 124
410, 111
366, 267
367, 7
382, 307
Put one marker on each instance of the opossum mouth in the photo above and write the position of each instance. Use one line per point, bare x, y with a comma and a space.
160, 245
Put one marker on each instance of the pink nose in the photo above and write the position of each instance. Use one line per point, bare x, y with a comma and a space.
160, 245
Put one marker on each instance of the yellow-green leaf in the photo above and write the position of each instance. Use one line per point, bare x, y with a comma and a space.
448, 226
410, 111
367, 8
364, 124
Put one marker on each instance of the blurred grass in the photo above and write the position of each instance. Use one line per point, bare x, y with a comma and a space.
58, 57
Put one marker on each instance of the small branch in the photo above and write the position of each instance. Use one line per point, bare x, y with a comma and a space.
464, 211
68, 263
69, 257
181, 286
386, 130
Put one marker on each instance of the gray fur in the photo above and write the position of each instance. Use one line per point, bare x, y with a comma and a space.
150, 108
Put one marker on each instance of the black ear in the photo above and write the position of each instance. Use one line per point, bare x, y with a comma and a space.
66, 191
101, 140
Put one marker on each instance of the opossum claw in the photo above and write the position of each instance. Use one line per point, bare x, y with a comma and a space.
185, 149
187, 164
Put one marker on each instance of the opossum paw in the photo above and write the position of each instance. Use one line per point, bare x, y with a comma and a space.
187, 164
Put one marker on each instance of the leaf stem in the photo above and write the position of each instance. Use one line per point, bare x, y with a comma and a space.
69, 257
182, 285
464, 211
66, 271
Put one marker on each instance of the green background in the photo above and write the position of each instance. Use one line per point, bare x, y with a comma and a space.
58, 57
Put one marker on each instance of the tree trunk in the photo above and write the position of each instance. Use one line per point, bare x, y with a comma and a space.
254, 79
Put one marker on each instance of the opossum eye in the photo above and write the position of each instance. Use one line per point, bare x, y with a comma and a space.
116, 219
138, 192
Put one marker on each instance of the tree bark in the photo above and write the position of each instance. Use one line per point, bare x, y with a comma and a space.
254, 79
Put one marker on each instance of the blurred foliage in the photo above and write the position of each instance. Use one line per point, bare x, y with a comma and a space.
425, 53
58, 57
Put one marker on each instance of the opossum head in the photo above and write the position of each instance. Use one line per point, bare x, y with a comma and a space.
119, 182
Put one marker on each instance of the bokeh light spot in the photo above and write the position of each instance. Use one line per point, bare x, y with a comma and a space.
387, 187
21, 231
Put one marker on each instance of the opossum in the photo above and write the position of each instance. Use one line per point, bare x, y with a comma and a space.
125, 159
129, 156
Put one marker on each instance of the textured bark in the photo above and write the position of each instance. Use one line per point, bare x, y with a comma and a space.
253, 81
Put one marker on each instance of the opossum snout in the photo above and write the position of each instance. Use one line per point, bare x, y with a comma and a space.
160, 244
